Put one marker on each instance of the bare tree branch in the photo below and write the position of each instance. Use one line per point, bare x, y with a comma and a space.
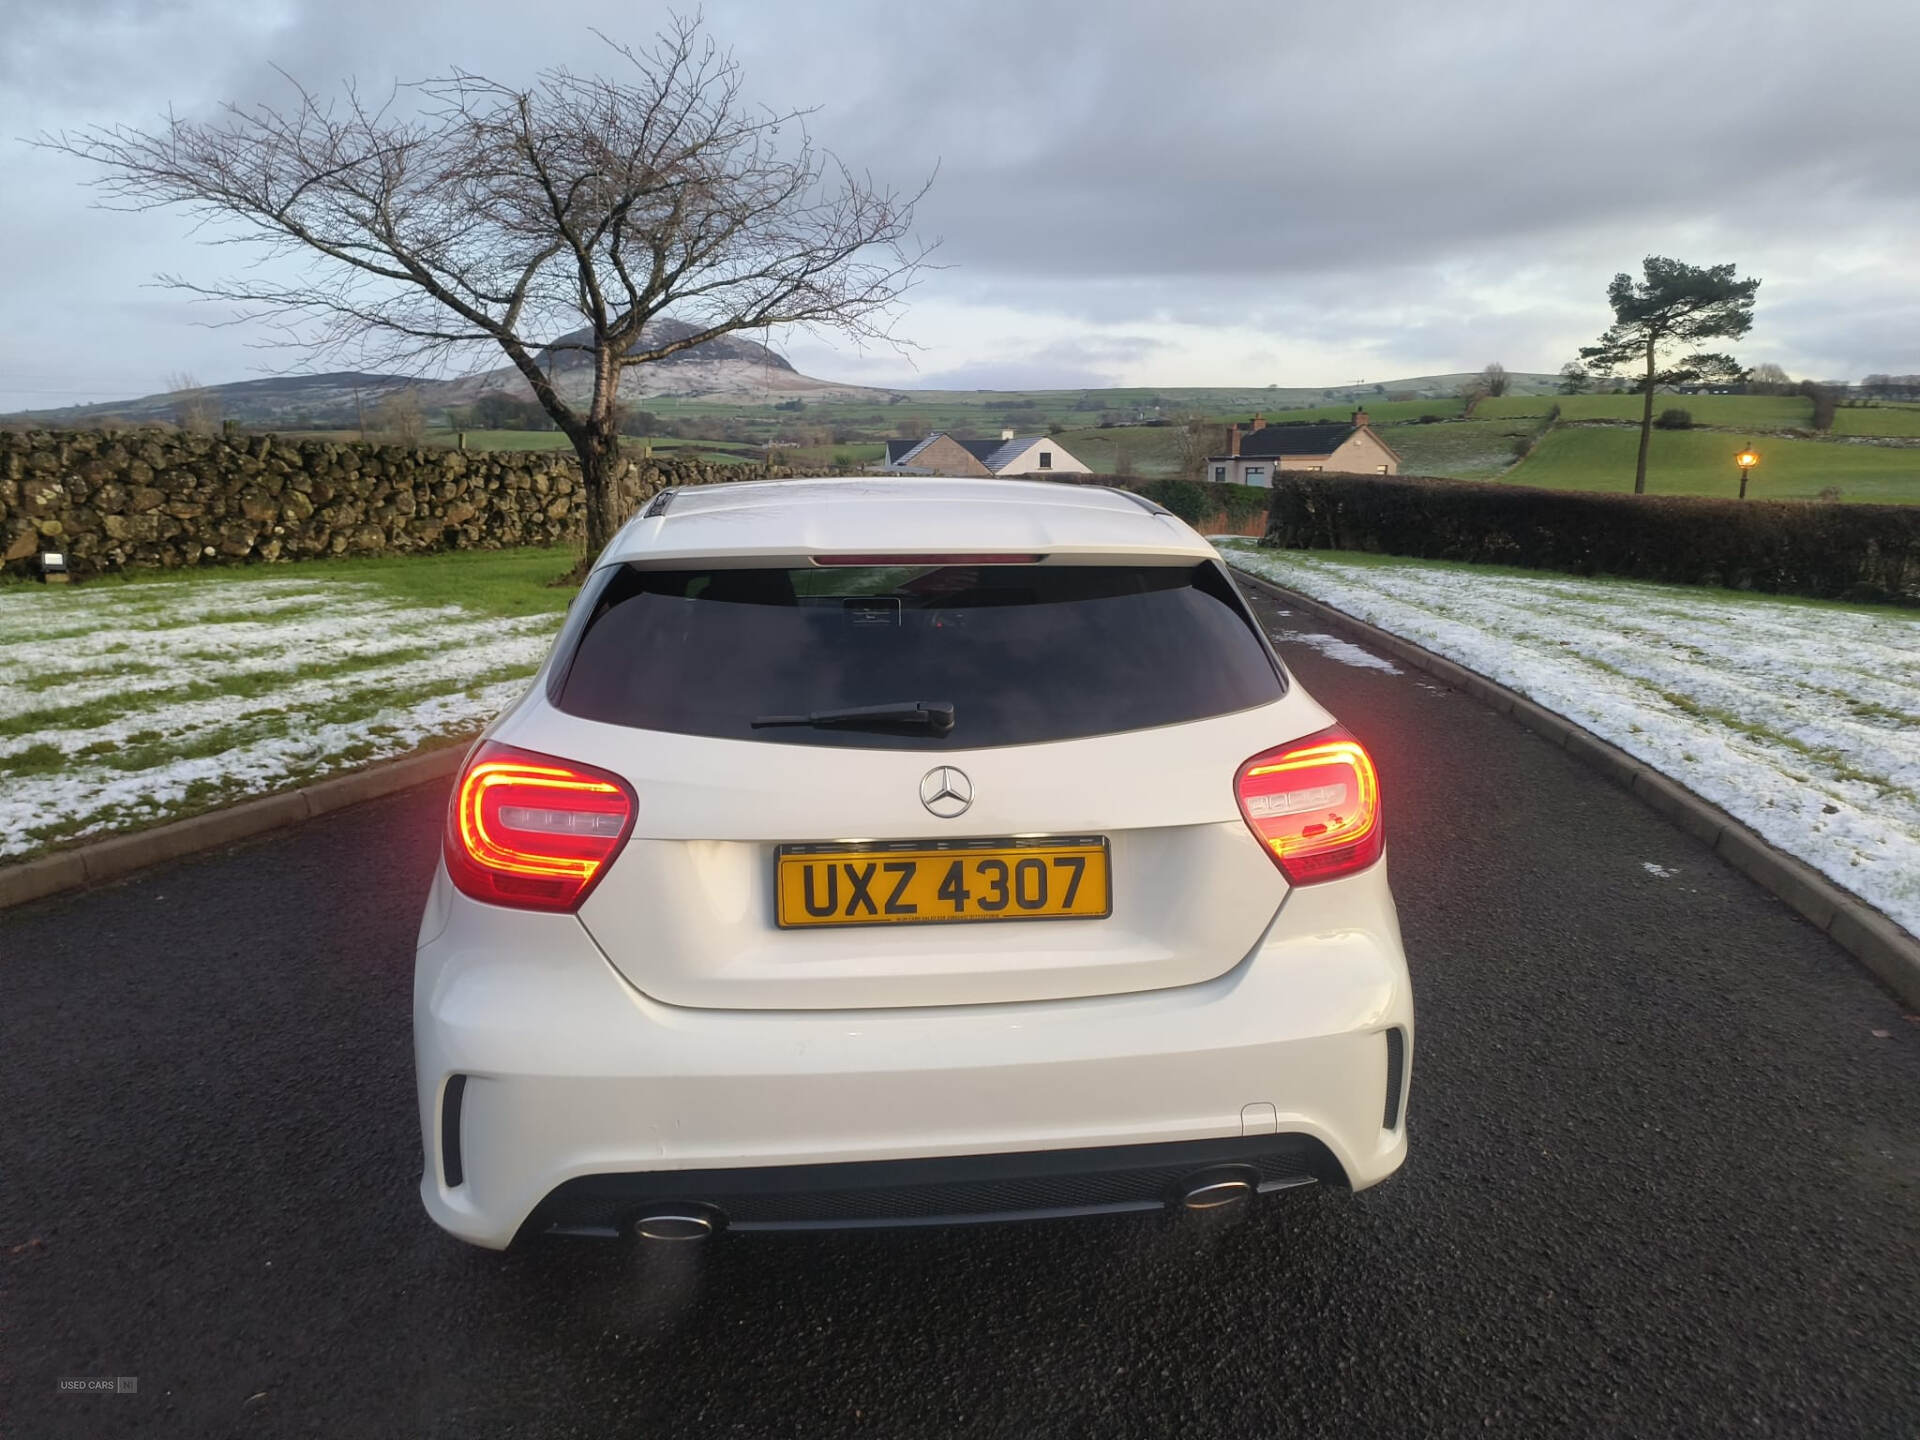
555, 219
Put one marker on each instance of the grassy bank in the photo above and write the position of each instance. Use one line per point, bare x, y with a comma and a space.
1697, 462
1800, 717
147, 699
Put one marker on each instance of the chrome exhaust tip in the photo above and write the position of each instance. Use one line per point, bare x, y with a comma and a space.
677, 1225
1216, 1194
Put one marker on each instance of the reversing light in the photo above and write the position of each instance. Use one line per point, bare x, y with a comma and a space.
1315, 804
531, 831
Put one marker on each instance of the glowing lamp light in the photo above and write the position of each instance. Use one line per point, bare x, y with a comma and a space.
1746, 460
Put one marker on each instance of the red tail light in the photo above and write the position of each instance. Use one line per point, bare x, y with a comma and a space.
534, 832
1315, 804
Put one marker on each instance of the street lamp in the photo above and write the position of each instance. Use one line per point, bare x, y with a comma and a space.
1746, 460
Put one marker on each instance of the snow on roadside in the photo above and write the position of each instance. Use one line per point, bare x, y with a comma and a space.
1802, 720
1347, 653
163, 698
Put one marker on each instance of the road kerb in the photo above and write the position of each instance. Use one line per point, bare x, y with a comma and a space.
1877, 942
46, 876
121, 855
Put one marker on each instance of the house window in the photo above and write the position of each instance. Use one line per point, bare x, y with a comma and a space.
1046, 459
1219, 474
1316, 467
1256, 475
1379, 469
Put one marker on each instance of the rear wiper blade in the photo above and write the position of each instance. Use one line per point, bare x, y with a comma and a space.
933, 716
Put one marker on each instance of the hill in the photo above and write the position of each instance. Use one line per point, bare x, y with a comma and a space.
730, 369
736, 376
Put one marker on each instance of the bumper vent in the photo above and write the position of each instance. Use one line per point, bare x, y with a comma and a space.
1396, 1076
450, 1101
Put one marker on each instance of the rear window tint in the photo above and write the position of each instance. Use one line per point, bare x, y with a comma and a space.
1024, 653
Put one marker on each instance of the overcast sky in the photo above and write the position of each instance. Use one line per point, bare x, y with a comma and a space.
1164, 194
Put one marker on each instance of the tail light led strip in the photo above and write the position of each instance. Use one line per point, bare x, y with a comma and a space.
534, 832
1315, 804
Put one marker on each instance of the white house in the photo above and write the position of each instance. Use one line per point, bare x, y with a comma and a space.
944, 454
1253, 457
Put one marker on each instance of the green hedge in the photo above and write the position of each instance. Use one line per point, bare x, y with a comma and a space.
1831, 551
1195, 501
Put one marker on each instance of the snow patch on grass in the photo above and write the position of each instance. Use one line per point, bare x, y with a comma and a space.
1801, 720
144, 702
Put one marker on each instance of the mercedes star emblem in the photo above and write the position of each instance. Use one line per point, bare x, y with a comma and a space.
946, 791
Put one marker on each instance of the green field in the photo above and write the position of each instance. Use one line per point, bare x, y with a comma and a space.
1460, 449
1762, 412
1880, 419
979, 413
1104, 430
1758, 412
1379, 412
853, 456
1151, 451
1697, 462
510, 582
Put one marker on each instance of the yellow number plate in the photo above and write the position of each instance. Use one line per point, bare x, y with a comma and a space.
918, 884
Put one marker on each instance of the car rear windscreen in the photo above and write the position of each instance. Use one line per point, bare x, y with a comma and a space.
1022, 653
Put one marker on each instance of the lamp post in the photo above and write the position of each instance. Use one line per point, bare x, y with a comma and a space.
1746, 460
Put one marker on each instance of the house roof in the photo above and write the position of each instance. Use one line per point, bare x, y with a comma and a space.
1277, 440
994, 454
909, 448
997, 454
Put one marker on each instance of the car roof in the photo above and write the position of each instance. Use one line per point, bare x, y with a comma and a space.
861, 514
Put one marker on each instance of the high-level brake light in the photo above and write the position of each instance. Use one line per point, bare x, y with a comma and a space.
910, 559
533, 832
1315, 804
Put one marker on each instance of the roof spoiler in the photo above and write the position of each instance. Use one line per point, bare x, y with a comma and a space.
1145, 504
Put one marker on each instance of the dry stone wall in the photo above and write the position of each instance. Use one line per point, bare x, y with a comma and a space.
114, 500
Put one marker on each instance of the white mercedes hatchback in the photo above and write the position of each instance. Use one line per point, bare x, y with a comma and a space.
905, 851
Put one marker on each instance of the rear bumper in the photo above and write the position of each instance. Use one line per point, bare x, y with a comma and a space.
949, 1190
576, 1099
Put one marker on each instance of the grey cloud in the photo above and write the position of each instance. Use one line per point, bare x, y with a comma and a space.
1015, 364
1433, 187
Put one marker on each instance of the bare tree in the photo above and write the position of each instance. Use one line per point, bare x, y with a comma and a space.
560, 217
1494, 380
196, 409
1199, 437
1574, 378
399, 420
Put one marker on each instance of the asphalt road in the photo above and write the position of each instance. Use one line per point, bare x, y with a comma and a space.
1663, 1179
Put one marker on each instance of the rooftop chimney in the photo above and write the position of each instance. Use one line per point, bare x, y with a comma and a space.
1233, 440
1259, 422
1359, 419
1006, 432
